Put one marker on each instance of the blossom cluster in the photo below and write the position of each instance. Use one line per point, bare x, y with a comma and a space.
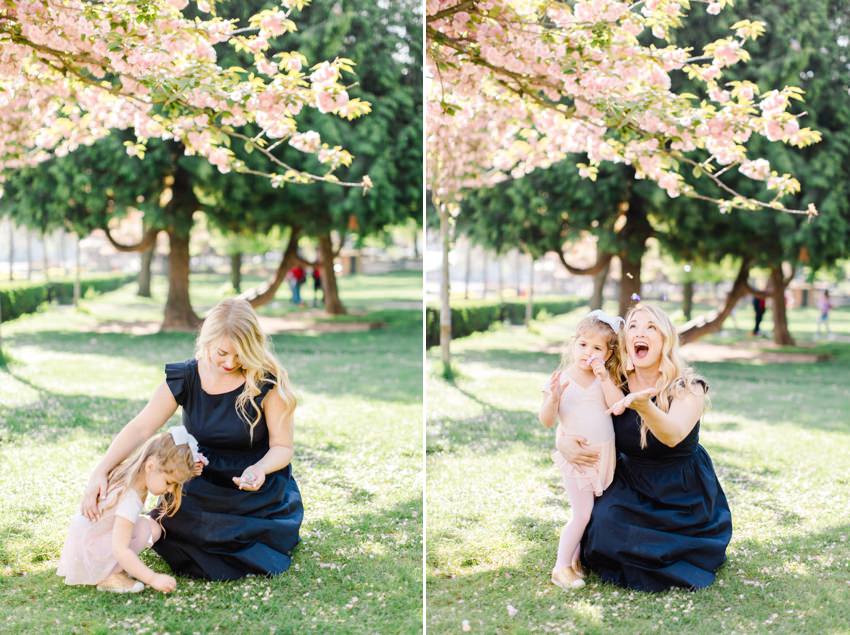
517, 85
73, 70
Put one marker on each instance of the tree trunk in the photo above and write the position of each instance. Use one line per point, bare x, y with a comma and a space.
467, 274
529, 306
11, 250
264, 295
44, 258
77, 271
781, 334
518, 272
632, 244
599, 280
333, 305
236, 272
501, 280
629, 280
179, 315
688, 298
62, 244
740, 288
484, 273
145, 272
29, 254
445, 282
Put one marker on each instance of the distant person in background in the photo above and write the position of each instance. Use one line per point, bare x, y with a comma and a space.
296, 277
759, 306
824, 306
317, 283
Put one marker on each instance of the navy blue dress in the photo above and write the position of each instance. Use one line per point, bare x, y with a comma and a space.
664, 520
221, 532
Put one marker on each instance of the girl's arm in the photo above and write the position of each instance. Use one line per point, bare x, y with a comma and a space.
122, 533
280, 450
673, 426
141, 428
609, 389
548, 414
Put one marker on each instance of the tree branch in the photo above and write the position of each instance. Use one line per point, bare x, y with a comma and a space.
148, 240
712, 323
602, 261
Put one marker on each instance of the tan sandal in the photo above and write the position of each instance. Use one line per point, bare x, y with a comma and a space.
566, 578
120, 583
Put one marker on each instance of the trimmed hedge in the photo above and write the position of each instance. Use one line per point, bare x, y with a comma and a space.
472, 317
18, 298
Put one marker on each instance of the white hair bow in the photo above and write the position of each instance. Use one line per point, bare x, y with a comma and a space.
614, 321
181, 436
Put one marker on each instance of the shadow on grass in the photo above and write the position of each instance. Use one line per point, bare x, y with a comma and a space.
510, 359
492, 429
317, 596
754, 589
330, 364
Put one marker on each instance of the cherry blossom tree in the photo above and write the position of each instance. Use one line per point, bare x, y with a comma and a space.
72, 70
517, 85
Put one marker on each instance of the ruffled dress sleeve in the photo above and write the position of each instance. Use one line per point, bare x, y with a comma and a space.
266, 386
176, 378
129, 506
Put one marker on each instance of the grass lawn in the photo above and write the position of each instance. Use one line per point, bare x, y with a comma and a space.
779, 436
70, 386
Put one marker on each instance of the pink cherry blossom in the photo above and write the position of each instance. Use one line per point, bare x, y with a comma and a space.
50, 104
504, 100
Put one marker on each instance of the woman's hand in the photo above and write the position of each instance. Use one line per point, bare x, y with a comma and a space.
95, 491
162, 582
634, 400
251, 480
575, 450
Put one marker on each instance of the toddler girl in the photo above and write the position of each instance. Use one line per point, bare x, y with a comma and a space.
104, 552
578, 395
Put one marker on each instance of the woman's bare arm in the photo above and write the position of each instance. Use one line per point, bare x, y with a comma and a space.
672, 427
141, 428
281, 448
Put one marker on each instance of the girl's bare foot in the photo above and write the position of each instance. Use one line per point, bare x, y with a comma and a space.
566, 578
120, 583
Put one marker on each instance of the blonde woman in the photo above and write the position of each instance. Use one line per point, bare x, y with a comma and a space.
664, 520
243, 512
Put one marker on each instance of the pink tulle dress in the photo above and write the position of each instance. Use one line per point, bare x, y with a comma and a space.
87, 555
582, 413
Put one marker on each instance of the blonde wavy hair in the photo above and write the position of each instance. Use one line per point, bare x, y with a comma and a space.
676, 377
174, 460
591, 324
236, 320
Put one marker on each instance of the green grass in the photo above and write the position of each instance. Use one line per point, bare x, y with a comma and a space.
779, 436
68, 388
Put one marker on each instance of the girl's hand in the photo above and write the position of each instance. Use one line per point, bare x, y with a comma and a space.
162, 582
597, 365
575, 450
94, 492
557, 388
634, 400
251, 480
199, 465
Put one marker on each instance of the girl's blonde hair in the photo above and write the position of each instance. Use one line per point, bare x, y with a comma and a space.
676, 377
175, 460
236, 320
591, 324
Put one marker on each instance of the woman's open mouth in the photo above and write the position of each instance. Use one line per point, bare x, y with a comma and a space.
641, 350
